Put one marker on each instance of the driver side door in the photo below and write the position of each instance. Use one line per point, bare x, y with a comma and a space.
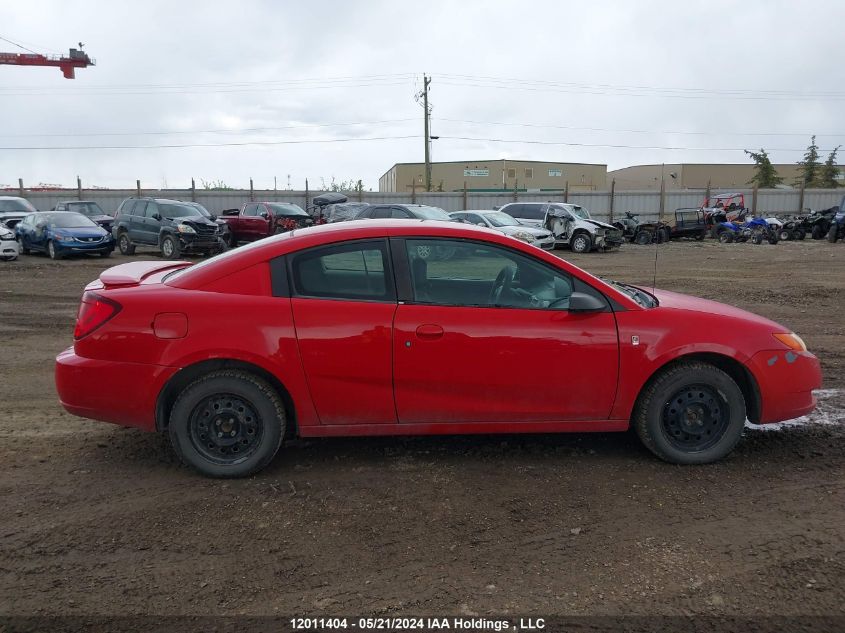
463, 356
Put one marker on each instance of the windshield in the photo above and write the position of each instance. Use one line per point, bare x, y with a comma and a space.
21, 205
431, 213
86, 208
68, 220
500, 218
203, 211
286, 209
643, 298
179, 211
580, 212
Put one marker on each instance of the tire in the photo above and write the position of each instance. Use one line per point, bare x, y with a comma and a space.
233, 241
124, 244
643, 238
772, 238
800, 234
581, 243
700, 236
105, 254
757, 238
247, 411
169, 247
786, 234
24, 249
726, 237
52, 252
704, 428
817, 233
831, 234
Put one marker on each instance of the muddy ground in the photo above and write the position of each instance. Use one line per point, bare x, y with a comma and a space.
100, 520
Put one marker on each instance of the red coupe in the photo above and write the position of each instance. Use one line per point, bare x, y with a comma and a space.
401, 327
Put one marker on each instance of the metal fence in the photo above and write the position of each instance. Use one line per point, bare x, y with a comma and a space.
645, 203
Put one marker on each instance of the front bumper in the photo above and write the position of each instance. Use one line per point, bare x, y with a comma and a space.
117, 392
75, 246
786, 380
546, 245
189, 242
9, 248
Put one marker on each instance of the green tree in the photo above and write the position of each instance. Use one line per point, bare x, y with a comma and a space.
829, 172
809, 166
765, 174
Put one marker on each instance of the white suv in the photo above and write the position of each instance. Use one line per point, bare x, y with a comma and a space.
571, 224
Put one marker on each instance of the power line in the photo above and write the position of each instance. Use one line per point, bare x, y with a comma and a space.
214, 131
615, 146
617, 130
233, 144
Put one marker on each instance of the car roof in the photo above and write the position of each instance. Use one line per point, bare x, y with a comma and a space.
12, 198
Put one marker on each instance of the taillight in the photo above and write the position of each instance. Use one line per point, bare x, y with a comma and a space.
94, 311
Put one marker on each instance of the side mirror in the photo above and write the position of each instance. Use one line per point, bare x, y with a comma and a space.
212, 217
157, 216
480, 224
583, 302
40, 225
264, 215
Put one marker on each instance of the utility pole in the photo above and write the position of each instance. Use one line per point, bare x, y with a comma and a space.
426, 113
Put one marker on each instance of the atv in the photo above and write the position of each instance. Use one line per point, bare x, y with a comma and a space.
837, 227
755, 231
638, 232
793, 229
819, 222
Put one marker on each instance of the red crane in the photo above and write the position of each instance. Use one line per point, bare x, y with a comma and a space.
76, 58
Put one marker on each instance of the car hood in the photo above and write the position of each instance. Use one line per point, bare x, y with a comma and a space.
531, 230
193, 220
101, 218
600, 224
83, 231
677, 301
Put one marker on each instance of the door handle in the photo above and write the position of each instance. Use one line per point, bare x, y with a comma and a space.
429, 331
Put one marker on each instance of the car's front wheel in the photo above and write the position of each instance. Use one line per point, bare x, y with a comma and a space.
690, 413
169, 247
581, 243
227, 423
52, 251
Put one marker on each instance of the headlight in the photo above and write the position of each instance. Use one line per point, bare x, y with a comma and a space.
184, 228
7, 235
524, 236
791, 340
62, 236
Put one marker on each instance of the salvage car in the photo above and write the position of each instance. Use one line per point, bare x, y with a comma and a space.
342, 330
13, 209
571, 224
402, 212
502, 222
62, 233
8, 244
256, 220
87, 208
174, 226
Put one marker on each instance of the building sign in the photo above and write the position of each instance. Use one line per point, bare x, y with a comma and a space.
476, 172
555, 173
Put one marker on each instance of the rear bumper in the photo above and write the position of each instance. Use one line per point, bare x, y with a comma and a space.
116, 392
786, 380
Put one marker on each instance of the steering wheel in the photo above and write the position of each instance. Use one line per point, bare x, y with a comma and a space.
503, 283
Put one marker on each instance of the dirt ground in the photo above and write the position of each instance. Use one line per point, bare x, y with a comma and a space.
101, 520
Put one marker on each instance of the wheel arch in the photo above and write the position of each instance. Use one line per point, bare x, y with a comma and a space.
740, 374
185, 376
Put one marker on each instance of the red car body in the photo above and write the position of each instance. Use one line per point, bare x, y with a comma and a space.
347, 367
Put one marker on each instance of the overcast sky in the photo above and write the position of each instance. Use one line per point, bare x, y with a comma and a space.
577, 79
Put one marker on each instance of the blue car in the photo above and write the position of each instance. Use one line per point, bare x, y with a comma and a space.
61, 233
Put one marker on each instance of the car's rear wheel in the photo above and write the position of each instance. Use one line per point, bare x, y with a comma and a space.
227, 423
690, 413
124, 244
24, 249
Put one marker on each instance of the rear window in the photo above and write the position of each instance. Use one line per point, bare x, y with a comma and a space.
355, 271
85, 208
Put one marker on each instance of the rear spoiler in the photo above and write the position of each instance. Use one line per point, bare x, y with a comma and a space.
134, 272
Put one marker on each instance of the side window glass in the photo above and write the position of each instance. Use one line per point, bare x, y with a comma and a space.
474, 218
460, 273
383, 212
353, 271
151, 210
401, 214
139, 208
251, 209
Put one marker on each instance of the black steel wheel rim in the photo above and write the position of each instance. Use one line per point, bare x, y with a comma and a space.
225, 428
695, 418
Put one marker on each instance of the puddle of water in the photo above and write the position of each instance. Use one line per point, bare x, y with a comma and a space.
827, 413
